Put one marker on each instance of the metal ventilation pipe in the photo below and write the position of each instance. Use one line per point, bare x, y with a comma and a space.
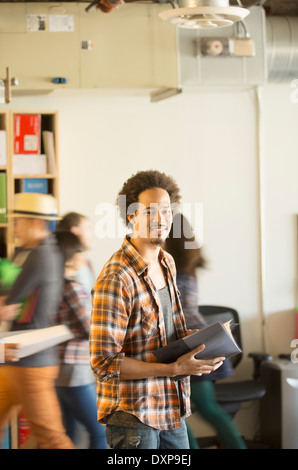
282, 48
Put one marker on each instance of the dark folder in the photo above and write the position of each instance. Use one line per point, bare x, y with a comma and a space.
217, 338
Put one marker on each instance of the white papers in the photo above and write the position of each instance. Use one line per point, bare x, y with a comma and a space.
36, 23
3, 151
29, 164
49, 148
61, 23
17, 344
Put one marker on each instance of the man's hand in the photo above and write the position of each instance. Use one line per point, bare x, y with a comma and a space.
132, 369
8, 312
189, 365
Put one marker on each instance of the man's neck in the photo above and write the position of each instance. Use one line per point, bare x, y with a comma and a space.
148, 251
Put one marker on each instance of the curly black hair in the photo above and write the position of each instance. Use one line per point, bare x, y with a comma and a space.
141, 181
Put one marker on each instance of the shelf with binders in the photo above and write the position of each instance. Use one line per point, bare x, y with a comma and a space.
40, 183
29, 162
25, 181
35, 144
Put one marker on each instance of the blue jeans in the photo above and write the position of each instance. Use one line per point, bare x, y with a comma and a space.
121, 437
79, 404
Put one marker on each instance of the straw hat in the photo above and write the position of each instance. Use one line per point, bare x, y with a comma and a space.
35, 206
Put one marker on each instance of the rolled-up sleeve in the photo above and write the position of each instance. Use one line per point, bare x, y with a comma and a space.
109, 319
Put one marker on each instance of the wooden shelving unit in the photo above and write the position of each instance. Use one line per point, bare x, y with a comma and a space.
49, 122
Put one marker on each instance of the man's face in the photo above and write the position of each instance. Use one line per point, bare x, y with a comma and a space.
153, 218
23, 230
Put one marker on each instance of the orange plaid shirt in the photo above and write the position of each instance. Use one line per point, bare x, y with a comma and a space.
127, 320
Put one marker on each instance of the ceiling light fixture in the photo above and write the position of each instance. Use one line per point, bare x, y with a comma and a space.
204, 14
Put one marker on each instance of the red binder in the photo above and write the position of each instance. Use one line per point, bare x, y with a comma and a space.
27, 133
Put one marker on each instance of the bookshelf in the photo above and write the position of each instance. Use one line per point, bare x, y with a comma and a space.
15, 182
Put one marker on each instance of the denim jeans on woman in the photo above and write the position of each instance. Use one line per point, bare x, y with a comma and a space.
79, 405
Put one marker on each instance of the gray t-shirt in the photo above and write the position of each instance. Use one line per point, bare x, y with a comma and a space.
167, 311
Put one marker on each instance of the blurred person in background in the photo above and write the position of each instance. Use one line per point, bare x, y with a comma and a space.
30, 382
181, 244
75, 384
80, 225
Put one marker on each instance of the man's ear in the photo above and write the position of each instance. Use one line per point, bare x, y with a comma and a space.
131, 218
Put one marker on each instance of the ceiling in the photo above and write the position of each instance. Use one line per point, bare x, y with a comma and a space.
272, 7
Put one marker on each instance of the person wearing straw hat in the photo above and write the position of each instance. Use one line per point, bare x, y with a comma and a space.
30, 382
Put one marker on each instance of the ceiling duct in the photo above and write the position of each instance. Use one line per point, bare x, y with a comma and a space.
204, 14
282, 48
275, 58
199, 69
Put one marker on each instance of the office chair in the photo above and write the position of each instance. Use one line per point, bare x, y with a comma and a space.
231, 395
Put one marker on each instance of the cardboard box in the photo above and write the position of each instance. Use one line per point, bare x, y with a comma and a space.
27, 133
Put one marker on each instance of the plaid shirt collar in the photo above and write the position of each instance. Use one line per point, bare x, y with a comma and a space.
136, 261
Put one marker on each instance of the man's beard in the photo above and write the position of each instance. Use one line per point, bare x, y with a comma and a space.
157, 241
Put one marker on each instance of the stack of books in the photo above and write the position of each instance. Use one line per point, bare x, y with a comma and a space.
27, 158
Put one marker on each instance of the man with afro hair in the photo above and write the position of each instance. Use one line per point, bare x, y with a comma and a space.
135, 310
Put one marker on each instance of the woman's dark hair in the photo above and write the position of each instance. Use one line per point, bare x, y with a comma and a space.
181, 233
71, 219
141, 181
68, 243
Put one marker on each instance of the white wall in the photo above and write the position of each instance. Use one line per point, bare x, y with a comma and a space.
280, 141
208, 142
